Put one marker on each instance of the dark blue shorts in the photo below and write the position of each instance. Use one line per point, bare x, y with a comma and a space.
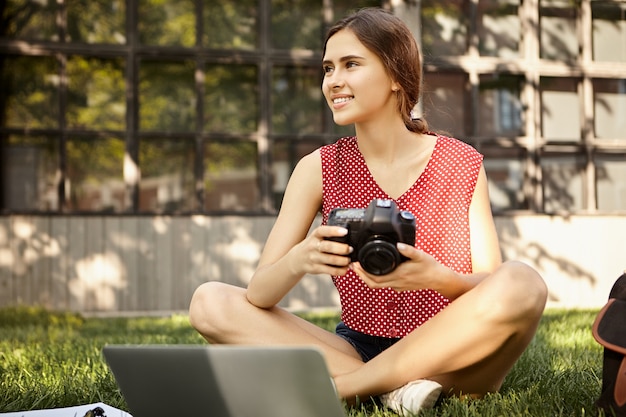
366, 345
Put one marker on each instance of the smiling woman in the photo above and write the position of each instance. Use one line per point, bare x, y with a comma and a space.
401, 333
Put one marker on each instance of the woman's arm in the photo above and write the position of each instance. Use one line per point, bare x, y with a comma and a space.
486, 256
287, 255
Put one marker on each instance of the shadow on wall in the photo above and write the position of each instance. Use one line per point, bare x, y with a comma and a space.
141, 264
578, 256
153, 264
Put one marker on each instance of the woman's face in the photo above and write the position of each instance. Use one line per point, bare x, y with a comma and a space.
356, 85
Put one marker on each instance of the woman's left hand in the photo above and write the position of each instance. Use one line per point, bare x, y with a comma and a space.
420, 271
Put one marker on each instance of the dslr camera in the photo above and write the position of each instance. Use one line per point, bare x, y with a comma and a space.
373, 234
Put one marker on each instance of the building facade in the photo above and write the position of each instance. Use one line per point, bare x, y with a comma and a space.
114, 111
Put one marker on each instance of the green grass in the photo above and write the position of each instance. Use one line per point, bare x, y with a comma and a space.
54, 360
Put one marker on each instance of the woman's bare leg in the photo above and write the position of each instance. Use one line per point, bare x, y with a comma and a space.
223, 315
468, 347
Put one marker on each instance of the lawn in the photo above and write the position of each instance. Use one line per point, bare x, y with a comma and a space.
54, 359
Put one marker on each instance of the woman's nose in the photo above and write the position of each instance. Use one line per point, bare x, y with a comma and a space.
335, 81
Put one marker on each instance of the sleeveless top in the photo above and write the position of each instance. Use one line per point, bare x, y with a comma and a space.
439, 199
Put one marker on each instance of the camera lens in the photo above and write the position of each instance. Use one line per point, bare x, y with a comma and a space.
379, 257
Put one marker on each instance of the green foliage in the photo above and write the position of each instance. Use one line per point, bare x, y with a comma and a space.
14, 317
53, 359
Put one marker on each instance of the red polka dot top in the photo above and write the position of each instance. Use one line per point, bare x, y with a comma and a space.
439, 199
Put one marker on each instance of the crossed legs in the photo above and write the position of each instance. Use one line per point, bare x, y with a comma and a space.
469, 347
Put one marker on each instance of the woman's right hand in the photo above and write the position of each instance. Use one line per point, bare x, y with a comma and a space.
317, 255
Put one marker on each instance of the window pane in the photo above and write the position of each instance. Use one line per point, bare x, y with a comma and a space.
610, 174
231, 177
29, 168
343, 8
30, 19
167, 96
96, 21
562, 183
230, 99
499, 28
96, 93
609, 31
94, 175
559, 38
32, 92
342, 131
285, 156
230, 24
505, 174
297, 100
444, 102
500, 109
297, 24
167, 175
560, 109
610, 108
167, 22
444, 27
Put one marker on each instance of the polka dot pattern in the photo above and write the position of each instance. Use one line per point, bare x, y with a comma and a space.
439, 199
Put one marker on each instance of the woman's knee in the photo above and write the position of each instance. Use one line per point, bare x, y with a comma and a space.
209, 305
529, 285
519, 292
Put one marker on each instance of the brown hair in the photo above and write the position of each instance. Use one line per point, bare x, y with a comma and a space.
391, 40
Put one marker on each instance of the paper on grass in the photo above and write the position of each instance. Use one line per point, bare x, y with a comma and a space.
77, 411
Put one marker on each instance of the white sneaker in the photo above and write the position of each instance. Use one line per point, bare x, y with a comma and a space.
412, 397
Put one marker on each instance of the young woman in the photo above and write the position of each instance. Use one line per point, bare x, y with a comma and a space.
452, 317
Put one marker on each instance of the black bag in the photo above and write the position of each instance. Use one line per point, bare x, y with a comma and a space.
609, 329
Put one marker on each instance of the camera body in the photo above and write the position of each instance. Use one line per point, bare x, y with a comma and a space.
373, 234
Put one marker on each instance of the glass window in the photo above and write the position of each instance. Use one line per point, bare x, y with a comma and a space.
285, 156
610, 174
31, 85
610, 108
499, 29
343, 8
34, 161
34, 20
505, 176
230, 98
231, 176
96, 21
297, 102
609, 31
95, 93
562, 182
342, 131
500, 109
559, 37
94, 174
443, 101
230, 24
297, 24
167, 175
560, 109
167, 22
167, 96
444, 27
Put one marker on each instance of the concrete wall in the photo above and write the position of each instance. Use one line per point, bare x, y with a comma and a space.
141, 264
580, 257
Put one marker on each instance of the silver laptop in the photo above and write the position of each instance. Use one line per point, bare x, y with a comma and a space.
223, 381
